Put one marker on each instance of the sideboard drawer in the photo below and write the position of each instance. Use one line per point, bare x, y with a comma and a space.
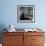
13, 33
37, 39
34, 33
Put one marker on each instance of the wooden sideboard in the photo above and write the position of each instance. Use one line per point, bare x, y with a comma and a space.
23, 38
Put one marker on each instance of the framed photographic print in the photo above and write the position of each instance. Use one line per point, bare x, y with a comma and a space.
26, 13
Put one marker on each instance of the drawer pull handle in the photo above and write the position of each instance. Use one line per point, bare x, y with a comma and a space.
33, 39
11, 38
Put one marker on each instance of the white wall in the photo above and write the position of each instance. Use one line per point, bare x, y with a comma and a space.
9, 13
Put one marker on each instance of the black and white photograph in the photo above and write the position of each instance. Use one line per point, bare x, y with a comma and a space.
26, 13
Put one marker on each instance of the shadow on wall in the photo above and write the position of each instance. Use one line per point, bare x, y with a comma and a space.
2, 26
